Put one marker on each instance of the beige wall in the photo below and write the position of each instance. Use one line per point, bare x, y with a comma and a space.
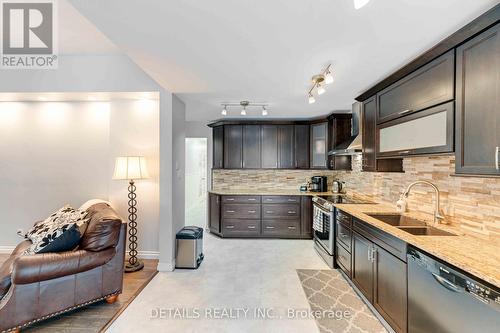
471, 203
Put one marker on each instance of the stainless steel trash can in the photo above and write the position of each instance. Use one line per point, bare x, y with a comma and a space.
189, 247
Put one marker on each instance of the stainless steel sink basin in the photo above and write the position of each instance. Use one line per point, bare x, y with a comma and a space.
426, 231
398, 220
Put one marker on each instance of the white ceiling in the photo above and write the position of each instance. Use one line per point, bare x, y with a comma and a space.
77, 96
216, 51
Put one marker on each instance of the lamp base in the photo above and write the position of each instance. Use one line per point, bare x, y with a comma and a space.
129, 268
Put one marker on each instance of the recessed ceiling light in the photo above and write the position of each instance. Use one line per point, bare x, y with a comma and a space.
311, 99
358, 4
244, 111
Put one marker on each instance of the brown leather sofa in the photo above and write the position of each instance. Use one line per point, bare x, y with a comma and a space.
40, 286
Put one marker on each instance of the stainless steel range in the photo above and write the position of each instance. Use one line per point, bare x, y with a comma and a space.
324, 215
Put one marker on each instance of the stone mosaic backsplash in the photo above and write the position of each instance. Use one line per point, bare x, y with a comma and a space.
471, 203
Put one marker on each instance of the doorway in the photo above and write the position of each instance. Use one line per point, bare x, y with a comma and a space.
196, 182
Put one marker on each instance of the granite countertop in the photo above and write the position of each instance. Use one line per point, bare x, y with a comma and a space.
267, 192
468, 253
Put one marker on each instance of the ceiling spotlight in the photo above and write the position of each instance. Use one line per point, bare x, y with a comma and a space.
264, 111
328, 77
224, 111
311, 99
321, 90
244, 111
358, 4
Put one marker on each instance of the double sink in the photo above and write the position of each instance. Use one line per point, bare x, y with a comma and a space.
410, 225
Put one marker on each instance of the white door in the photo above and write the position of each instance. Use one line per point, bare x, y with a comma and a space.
196, 182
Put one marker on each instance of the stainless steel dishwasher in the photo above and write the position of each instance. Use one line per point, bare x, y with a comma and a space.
443, 300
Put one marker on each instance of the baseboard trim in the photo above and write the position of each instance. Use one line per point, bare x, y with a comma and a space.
166, 266
6, 249
147, 254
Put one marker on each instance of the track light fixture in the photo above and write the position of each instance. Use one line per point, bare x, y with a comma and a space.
244, 106
319, 81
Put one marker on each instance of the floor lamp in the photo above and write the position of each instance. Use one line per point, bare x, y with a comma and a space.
131, 168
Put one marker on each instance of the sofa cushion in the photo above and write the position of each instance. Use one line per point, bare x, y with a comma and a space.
60, 232
103, 228
7, 266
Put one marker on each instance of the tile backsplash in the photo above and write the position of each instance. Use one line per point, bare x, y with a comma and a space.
470, 203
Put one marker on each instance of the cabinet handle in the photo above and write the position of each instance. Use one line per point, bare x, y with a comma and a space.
293, 200
251, 227
269, 212
292, 228
230, 211
251, 211
496, 158
374, 254
343, 235
405, 111
230, 227
269, 199
404, 152
292, 212
251, 199
369, 254
269, 227
230, 199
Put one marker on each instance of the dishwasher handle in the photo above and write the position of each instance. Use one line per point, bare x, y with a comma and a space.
447, 284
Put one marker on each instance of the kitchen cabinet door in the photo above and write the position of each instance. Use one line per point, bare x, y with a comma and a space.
218, 147
251, 147
319, 142
306, 220
269, 139
286, 151
362, 270
390, 294
233, 146
428, 86
369, 163
477, 105
302, 145
214, 213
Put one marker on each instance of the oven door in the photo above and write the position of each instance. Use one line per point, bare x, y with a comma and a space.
323, 228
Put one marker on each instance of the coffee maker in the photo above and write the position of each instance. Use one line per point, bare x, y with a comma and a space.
318, 184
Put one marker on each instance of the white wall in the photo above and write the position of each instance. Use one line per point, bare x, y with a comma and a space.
199, 129
55, 153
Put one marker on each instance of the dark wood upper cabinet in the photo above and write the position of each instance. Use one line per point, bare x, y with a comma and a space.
430, 85
269, 135
362, 270
477, 105
319, 144
233, 146
390, 291
214, 207
251, 147
339, 129
302, 146
286, 151
218, 147
369, 109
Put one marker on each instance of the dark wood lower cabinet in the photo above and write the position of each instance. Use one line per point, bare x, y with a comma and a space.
390, 288
362, 270
261, 216
214, 221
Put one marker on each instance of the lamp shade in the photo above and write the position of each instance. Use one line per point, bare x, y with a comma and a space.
130, 168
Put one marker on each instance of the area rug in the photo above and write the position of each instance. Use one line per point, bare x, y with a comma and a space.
335, 305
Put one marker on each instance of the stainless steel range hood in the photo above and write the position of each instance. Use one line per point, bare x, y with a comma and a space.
355, 143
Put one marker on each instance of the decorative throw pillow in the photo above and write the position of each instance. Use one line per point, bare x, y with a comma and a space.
60, 232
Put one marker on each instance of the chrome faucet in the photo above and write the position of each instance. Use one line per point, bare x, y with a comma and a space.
437, 213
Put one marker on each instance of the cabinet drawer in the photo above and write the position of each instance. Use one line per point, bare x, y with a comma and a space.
391, 244
282, 211
281, 228
241, 228
241, 211
430, 85
240, 199
343, 234
343, 217
280, 199
343, 259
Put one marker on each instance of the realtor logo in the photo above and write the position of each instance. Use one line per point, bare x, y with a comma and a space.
28, 34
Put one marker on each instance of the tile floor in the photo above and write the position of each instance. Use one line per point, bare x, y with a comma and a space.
236, 274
